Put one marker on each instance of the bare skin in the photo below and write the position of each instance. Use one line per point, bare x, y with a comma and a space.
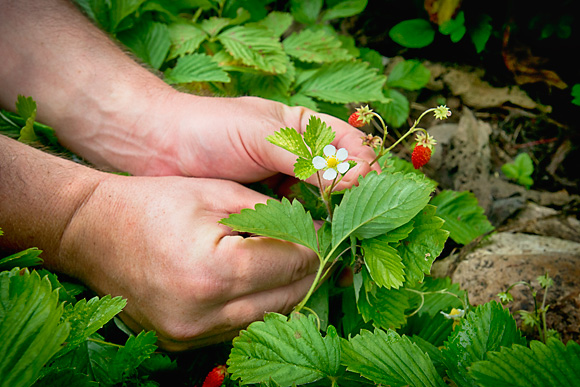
152, 238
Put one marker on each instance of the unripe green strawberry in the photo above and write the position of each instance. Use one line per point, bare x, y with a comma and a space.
420, 156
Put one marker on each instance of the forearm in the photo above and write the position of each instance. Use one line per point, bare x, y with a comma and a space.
39, 193
101, 103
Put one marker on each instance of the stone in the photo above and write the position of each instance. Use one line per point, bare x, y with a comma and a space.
506, 258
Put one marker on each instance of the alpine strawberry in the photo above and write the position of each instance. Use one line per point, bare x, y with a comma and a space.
355, 120
215, 377
420, 156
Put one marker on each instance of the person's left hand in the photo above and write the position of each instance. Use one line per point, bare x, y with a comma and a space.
226, 138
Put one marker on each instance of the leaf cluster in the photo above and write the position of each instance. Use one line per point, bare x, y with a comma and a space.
484, 349
520, 170
49, 335
289, 52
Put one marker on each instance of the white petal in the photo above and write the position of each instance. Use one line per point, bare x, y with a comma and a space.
342, 167
341, 154
319, 162
330, 174
329, 150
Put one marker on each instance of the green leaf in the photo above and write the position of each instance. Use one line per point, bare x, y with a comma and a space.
256, 47
288, 351
551, 364
575, 93
481, 32
488, 328
25, 107
384, 307
383, 262
345, 82
389, 359
150, 41
423, 245
120, 9
31, 330
409, 74
317, 135
414, 33
455, 28
379, 204
292, 141
277, 22
136, 350
196, 68
281, 220
520, 170
185, 39
395, 109
303, 168
315, 46
86, 317
344, 8
58, 377
464, 218
306, 11
25, 258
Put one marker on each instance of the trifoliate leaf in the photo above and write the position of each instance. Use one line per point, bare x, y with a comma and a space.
31, 330
464, 218
292, 141
488, 328
281, 220
256, 47
185, 39
26, 258
551, 364
287, 351
86, 317
384, 307
196, 68
389, 359
383, 262
148, 40
345, 82
379, 204
318, 135
423, 245
315, 46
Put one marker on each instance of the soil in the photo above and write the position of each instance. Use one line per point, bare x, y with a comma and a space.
499, 112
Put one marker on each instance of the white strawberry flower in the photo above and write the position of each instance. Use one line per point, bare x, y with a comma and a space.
334, 162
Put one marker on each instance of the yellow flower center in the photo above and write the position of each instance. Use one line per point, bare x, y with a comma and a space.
332, 162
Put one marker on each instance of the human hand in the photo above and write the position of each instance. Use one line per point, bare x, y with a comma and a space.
226, 138
190, 279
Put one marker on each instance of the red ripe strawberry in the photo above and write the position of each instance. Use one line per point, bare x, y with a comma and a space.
355, 120
420, 156
215, 377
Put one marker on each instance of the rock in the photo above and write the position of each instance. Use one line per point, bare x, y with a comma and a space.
506, 258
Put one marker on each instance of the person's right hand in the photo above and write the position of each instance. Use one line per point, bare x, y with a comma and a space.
156, 241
